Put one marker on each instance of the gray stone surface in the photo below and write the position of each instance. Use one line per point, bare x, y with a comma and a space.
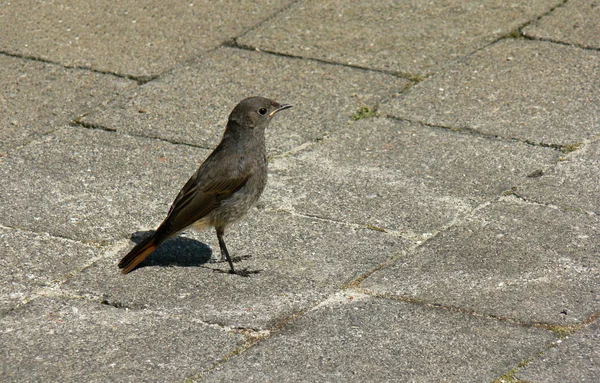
407, 212
409, 37
398, 175
379, 340
124, 37
91, 184
572, 183
529, 90
576, 22
512, 259
38, 97
192, 103
300, 262
574, 360
29, 262
72, 340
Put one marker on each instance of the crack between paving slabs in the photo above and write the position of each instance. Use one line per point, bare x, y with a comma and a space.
52, 292
455, 221
55, 288
408, 235
18, 147
562, 333
514, 194
563, 148
547, 39
516, 33
253, 337
559, 330
523, 198
550, 40
88, 125
232, 42
89, 243
407, 76
139, 79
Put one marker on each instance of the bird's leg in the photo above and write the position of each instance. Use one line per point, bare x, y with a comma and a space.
224, 252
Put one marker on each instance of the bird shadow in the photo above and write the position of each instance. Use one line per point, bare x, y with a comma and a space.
176, 251
183, 252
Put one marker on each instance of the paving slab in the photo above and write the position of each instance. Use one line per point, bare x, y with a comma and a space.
124, 37
576, 22
572, 183
72, 340
379, 340
528, 262
294, 262
30, 261
529, 90
400, 175
38, 97
192, 103
415, 38
574, 360
93, 185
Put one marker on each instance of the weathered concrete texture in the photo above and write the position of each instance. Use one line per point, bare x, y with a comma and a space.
31, 261
572, 183
400, 175
576, 22
124, 37
38, 97
527, 262
299, 262
71, 340
574, 360
409, 37
192, 103
529, 90
91, 184
364, 339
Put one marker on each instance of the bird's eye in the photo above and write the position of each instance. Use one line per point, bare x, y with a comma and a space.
262, 111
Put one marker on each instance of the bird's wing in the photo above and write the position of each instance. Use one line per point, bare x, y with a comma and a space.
216, 179
197, 199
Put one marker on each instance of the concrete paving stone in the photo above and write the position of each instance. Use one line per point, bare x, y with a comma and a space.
38, 97
93, 185
511, 259
66, 340
574, 360
400, 175
379, 340
572, 183
30, 261
126, 37
295, 262
576, 22
192, 103
529, 90
409, 37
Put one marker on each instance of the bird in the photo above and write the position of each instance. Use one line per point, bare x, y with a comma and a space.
225, 186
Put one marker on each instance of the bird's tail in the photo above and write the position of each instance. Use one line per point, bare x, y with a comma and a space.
138, 254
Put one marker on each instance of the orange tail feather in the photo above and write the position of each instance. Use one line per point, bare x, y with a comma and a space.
138, 254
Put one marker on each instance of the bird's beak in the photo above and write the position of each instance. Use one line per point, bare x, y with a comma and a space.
281, 107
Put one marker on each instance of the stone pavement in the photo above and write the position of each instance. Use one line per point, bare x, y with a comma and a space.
432, 212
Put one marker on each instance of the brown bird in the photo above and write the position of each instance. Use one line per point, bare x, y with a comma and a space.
225, 186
